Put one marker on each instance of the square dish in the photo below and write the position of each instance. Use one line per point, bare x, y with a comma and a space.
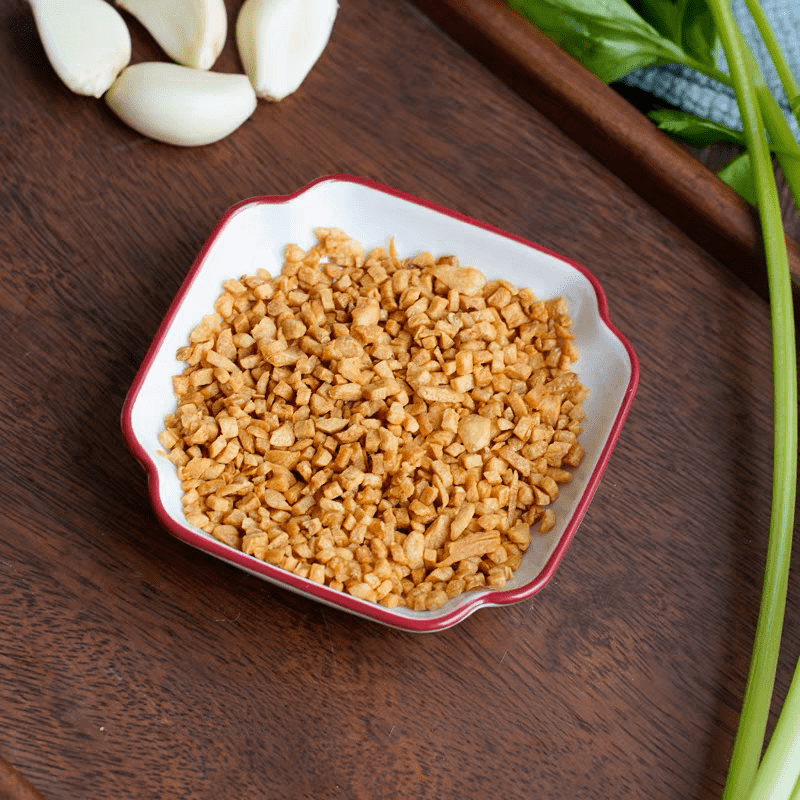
254, 233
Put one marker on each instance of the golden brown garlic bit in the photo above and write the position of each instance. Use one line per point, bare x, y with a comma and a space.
391, 428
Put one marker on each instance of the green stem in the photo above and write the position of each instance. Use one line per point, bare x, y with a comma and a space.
712, 72
784, 143
777, 56
780, 133
777, 777
781, 137
761, 677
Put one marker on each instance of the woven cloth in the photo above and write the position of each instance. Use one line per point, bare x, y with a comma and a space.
703, 97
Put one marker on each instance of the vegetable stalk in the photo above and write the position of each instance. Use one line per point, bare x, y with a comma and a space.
781, 137
761, 678
779, 773
777, 56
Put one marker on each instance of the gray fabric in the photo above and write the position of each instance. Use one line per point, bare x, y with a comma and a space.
703, 97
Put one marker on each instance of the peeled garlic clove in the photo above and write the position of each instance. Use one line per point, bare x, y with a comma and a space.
279, 42
179, 105
86, 41
191, 32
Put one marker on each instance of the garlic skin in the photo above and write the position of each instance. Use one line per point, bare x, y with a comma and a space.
279, 42
180, 105
191, 32
86, 41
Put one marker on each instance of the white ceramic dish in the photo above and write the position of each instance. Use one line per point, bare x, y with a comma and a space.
254, 234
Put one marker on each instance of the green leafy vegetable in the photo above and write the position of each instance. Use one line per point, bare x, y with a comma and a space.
761, 677
779, 773
611, 40
777, 56
739, 176
783, 142
688, 23
700, 132
694, 130
606, 36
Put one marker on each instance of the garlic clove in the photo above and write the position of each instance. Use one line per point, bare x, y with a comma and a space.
191, 32
180, 105
279, 42
86, 41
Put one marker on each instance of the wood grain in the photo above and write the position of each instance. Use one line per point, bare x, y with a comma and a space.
14, 786
134, 667
599, 119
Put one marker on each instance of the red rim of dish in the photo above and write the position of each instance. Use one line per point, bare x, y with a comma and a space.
421, 623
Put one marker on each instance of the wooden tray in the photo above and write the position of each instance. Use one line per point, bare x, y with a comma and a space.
614, 131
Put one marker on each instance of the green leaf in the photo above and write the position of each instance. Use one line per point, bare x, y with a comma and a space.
694, 130
687, 23
702, 132
739, 176
607, 36
663, 15
699, 32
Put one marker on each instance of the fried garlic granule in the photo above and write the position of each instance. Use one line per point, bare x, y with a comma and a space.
391, 428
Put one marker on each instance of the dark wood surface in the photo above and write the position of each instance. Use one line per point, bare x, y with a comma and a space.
134, 667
